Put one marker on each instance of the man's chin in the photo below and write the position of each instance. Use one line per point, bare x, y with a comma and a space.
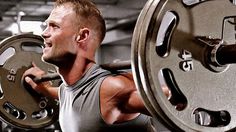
51, 61
46, 59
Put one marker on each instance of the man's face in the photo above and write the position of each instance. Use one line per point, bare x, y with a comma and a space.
60, 35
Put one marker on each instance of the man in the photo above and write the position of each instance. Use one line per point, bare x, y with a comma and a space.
91, 99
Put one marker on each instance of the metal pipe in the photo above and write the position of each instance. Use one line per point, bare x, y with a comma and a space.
120, 65
226, 54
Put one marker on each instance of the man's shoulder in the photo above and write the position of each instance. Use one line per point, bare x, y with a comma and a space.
118, 80
118, 85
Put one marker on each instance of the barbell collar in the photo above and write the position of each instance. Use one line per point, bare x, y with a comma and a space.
219, 54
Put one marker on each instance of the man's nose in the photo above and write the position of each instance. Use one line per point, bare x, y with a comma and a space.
45, 33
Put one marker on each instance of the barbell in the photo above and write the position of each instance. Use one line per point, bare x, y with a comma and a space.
187, 46
218, 57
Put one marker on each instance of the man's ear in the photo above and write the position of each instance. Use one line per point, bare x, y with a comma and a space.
83, 35
77, 38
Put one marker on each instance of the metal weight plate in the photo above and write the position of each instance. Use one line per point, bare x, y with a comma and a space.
168, 50
147, 10
20, 106
138, 26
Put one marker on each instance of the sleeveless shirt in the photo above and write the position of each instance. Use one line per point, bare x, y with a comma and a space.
80, 107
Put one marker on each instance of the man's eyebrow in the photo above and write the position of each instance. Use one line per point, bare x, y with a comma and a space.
50, 21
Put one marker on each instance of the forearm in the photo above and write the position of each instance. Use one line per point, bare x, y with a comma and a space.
51, 92
136, 104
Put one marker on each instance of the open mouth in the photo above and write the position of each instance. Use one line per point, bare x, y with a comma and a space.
47, 44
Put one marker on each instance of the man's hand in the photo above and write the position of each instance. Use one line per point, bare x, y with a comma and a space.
44, 88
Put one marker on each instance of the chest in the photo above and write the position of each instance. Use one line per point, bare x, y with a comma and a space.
80, 111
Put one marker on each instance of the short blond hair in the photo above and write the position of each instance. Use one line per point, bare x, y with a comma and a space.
89, 13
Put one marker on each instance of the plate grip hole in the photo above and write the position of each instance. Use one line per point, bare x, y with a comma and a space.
168, 24
11, 109
32, 47
209, 118
40, 114
176, 97
43, 113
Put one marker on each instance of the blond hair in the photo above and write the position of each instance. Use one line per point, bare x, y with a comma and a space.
88, 15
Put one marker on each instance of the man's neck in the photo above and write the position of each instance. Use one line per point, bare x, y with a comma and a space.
76, 71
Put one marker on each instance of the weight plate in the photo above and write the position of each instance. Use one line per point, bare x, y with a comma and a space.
166, 53
20, 106
143, 19
136, 33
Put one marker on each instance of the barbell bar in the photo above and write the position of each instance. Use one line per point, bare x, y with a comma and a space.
120, 65
219, 54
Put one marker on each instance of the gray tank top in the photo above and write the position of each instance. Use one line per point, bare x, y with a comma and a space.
80, 108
